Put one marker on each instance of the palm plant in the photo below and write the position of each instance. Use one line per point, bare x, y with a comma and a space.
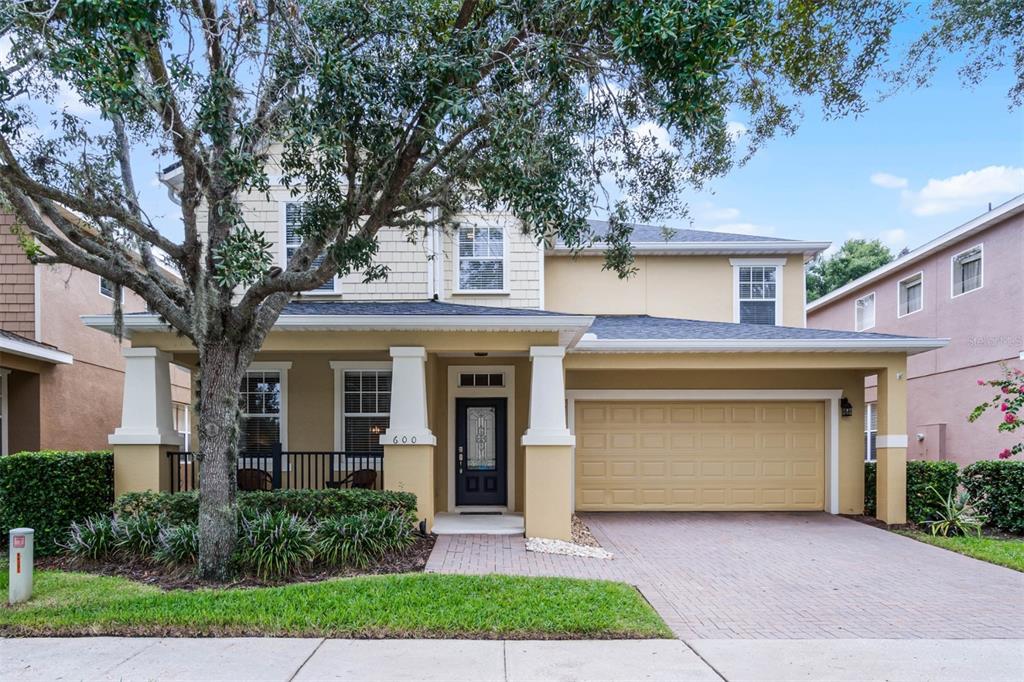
956, 515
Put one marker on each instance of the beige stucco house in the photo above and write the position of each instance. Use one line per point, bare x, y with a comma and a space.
493, 374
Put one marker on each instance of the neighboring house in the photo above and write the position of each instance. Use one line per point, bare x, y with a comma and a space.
490, 373
60, 382
966, 285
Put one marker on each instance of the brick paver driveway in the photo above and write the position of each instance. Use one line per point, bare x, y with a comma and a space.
788, 576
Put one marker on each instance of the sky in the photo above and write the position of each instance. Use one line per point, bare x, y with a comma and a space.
913, 166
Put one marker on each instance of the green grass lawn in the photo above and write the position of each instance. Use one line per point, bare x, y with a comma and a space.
1004, 552
410, 605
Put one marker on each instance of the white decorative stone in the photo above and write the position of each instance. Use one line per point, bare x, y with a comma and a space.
146, 413
547, 398
408, 398
548, 546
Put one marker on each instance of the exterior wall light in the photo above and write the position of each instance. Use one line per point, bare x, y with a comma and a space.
845, 407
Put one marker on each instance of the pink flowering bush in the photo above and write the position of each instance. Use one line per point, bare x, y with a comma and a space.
1008, 401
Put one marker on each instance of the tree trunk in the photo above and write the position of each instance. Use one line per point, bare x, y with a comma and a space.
219, 379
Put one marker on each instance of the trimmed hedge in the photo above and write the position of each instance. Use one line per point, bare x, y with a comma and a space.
178, 508
998, 490
922, 503
49, 490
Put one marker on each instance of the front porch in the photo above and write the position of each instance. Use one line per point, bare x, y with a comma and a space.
479, 410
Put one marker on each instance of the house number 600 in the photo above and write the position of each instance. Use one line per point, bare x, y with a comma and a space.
405, 440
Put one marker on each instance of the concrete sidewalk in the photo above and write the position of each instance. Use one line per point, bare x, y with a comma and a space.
113, 658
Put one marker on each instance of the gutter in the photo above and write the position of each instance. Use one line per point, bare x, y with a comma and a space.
576, 325
35, 352
697, 248
911, 346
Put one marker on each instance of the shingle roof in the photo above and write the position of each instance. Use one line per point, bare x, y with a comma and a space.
18, 337
647, 327
656, 233
418, 307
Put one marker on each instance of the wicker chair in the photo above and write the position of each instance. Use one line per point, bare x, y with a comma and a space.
254, 479
361, 478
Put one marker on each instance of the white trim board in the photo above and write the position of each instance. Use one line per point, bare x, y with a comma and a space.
29, 349
1005, 211
830, 396
507, 391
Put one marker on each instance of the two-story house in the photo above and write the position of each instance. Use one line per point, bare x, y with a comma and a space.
494, 374
964, 285
60, 382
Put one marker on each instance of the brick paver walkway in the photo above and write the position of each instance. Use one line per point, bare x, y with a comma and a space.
787, 576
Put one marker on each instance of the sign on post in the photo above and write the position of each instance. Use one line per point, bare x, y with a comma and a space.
20, 551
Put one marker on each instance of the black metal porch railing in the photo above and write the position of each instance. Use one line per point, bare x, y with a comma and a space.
279, 469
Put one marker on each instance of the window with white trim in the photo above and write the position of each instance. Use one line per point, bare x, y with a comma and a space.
293, 214
366, 409
967, 271
481, 258
181, 425
871, 432
260, 401
107, 289
758, 287
911, 294
865, 312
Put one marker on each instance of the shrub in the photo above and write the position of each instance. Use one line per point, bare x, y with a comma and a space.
998, 490
956, 515
178, 545
137, 536
48, 491
178, 508
922, 504
274, 545
357, 539
93, 538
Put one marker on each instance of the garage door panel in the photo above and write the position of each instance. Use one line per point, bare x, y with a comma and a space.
692, 456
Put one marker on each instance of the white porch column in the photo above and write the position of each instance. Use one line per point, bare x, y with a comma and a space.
548, 445
147, 430
408, 398
408, 442
547, 398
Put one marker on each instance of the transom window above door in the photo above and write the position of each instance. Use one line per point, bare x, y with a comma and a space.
472, 379
911, 294
481, 259
757, 294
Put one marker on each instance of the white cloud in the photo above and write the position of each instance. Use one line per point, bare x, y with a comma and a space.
736, 129
649, 129
708, 212
888, 180
895, 239
973, 189
752, 229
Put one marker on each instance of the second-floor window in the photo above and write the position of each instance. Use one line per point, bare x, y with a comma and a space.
865, 312
758, 294
481, 259
293, 213
911, 294
967, 271
107, 289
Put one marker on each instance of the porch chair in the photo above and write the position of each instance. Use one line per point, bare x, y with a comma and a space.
254, 479
360, 478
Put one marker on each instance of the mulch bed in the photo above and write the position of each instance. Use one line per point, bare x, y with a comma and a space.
413, 560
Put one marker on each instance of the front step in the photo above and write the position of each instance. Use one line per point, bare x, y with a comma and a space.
448, 523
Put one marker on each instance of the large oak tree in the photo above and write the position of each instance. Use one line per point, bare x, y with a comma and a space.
386, 114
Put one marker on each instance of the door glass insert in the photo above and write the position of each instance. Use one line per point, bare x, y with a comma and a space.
480, 432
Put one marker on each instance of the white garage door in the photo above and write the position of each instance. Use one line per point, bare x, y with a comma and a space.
634, 455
